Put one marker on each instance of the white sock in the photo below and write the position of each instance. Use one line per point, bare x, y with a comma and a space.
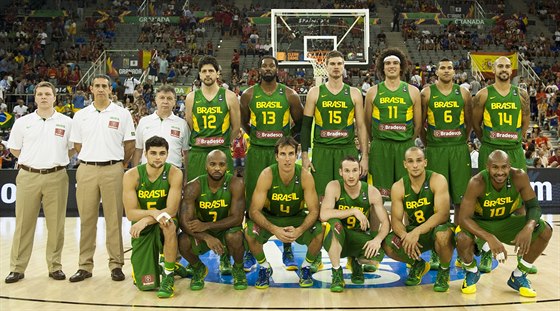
486, 247
472, 269
525, 264
265, 264
517, 272
336, 268
305, 263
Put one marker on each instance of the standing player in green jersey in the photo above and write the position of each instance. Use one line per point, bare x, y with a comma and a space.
266, 109
278, 208
446, 109
339, 113
151, 195
394, 119
487, 213
348, 209
211, 215
501, 116
422, 196
212, 113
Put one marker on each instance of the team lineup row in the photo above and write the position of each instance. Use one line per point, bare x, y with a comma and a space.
394, 114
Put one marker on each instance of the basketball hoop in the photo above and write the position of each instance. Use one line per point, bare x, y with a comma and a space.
317, 60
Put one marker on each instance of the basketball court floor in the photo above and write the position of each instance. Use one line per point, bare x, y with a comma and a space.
384, 289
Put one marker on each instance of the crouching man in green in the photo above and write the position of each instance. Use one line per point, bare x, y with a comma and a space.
349, 207
278, 208
151, 197
487, 212
422, 196
211, 217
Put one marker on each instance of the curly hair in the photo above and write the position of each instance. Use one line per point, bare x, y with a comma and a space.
379, 64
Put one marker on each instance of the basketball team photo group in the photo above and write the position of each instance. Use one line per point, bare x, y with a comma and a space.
233, 155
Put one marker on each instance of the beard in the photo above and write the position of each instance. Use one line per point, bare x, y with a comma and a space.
269, 78
214, 178
501, 77
208, 83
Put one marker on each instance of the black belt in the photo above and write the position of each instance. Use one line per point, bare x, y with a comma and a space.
102, 163
41, 171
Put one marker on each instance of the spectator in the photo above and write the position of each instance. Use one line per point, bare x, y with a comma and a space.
130, 84
554, 161
474, 155
7, 159
20, 110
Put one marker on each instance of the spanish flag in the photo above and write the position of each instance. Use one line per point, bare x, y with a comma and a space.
483, 61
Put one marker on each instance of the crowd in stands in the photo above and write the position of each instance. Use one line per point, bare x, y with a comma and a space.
34, 49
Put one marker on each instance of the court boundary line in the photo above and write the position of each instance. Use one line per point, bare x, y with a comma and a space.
277, 308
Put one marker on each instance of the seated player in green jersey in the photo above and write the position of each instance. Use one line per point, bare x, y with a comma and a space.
278, 208
211, 215
487, 212
151, 198
423, 197
349, 207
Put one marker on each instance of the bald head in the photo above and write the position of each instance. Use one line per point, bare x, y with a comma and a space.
413, 150
216, 155
502, 60
498, 156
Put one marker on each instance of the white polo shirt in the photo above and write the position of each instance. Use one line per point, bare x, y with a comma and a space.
102, 133
45, 143
174, 129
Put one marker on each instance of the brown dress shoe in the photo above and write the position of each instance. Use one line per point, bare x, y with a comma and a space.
117, 274
14, 277
57, 275
80, 275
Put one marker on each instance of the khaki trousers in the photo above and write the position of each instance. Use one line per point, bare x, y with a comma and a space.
32, 190
95, 183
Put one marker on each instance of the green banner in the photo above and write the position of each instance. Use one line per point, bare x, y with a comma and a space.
48, 13
181, 90
420, 15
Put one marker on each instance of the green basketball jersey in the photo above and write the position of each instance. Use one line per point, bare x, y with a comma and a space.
210, 119
270, 116
418, 206
284, 200
210, 206
393, 113
494, 204
446, 117
152, 195
361, 202
334, 117
502, 118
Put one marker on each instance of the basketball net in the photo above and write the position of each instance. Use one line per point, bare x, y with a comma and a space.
317, 60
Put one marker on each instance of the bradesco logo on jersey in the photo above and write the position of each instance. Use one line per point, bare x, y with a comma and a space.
389, 274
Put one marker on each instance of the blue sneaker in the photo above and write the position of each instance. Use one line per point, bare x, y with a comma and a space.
305, 279
249, 261
263, 280
288, 260
522, 285
469, 284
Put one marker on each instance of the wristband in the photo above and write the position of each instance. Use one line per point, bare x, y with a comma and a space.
164, 214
